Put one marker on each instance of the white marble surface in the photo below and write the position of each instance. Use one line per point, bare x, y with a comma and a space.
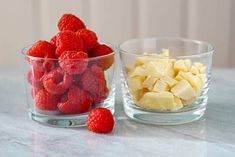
212, 136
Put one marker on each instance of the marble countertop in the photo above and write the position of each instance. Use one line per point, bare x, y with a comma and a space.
211, 136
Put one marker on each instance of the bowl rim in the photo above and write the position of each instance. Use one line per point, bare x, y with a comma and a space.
209, 52
115, 50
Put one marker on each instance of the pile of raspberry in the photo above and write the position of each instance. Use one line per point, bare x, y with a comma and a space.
65, 75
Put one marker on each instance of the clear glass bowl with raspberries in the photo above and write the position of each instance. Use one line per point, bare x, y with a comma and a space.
69, 75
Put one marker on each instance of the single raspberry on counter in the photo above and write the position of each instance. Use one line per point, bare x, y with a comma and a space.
76, 101
68, 41
101, 50
70, 22
100, 120
42, 49
57, 81
89, 38
73, 62
93, 81
35, 78
53, 41
46, 101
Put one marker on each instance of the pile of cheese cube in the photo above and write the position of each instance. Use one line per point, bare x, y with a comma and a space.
158, 82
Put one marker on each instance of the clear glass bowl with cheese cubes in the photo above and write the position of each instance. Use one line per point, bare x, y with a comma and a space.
165, 81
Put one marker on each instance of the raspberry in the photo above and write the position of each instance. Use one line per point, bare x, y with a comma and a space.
93, 81
100, 50
73, 62
46, 101
53, 41
42, 49
76, 101
57, 81
34, 91
70, 22
89, 38
35, 78
100, 120
76, 79
68, 41
49, 65
43, 64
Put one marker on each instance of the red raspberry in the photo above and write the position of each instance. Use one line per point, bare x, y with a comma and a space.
43, 65
35, 78
49, 65
46, 101
42, 49
93, 81
34, 91
70, 22
68, 41
53, 41
73, 62
101, 50
76, 79
100, 120
57, 81
76, 101
89, 38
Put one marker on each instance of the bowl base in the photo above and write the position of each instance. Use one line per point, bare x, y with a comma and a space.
62, 121
159, 118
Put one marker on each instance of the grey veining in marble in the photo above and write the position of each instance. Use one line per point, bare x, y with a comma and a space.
212, 136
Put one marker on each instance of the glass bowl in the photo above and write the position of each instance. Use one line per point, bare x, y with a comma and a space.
59, 97
165, 81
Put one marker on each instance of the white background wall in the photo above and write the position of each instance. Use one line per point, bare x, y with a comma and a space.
24, 21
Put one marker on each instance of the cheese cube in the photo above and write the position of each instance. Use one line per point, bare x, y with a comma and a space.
198, 65
202, 77
183, 90
157, 101
155, 69
164, 62
194, 70
160, 86
179, 76
187, 63
140, 61
168, 80
129, 69
165, 53
146, 59
189, 102
193, 80
136, 95
202, 70
149, 82
178, 102
170, 72
135, 83
138, 71
180, 66
170, 69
